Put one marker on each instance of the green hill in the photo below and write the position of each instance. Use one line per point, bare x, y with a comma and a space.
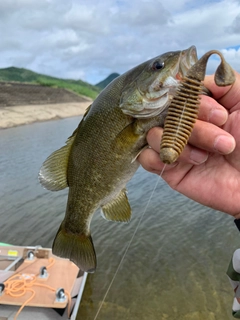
23, 75
105, 82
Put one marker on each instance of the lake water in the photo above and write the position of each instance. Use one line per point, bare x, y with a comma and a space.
176, 265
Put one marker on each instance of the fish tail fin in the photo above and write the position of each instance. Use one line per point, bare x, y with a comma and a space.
75, 247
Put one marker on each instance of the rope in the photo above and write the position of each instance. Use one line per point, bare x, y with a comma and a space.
19, 284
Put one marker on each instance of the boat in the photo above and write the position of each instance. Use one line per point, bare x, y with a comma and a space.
35, 284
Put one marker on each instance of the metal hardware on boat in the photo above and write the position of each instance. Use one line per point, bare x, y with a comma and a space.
60, 295
43, 273
30, 255
2, 287
15, 262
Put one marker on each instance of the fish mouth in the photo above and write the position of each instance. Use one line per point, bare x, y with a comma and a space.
187, 59
155, 103
160, 93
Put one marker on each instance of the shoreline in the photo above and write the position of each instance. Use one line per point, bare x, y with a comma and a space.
21, 115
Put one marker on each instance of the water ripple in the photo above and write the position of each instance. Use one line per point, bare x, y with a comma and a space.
175, 267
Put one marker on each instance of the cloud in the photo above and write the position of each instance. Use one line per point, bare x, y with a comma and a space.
148, 14
235, 28
94, 38
233, 55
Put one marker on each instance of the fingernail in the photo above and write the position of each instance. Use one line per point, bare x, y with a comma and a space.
198, 156
218, 116
224, 144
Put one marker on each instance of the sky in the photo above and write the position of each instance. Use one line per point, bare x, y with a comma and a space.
89, 39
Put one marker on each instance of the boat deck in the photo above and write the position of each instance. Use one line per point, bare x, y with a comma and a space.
50, 287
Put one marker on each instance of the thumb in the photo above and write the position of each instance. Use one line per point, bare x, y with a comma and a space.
228, 96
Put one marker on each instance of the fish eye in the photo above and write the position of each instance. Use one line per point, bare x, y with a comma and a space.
158, 65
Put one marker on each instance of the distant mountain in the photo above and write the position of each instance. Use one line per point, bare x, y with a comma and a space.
23, 75
102, 84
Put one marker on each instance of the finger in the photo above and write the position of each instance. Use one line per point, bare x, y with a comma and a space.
211, 111
233, 126
211, 138
150, 161
205, 137
190, 154
228, 96
217, 92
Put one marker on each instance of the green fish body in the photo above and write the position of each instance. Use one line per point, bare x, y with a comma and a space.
100, 156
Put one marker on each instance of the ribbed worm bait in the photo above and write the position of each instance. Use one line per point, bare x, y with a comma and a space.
183, 110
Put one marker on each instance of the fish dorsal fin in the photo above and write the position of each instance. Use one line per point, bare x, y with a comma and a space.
118, 209
53, 173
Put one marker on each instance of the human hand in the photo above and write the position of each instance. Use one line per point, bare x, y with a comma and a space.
208, 170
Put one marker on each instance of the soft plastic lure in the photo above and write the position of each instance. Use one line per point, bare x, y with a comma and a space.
183, 110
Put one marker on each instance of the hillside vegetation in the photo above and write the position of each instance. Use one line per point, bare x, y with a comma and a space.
102, 84
23, 75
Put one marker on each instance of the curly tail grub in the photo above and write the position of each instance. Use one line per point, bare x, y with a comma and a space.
183, 110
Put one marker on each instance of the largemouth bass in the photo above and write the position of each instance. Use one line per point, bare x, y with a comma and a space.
100, 156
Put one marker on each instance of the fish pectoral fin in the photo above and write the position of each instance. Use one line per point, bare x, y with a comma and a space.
76, 247
118, 209
53, 173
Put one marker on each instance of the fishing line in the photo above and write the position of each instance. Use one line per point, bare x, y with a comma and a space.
163, 169
129, 244
137, 227
179, 124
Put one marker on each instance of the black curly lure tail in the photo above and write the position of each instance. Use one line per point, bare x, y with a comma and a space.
183, 110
